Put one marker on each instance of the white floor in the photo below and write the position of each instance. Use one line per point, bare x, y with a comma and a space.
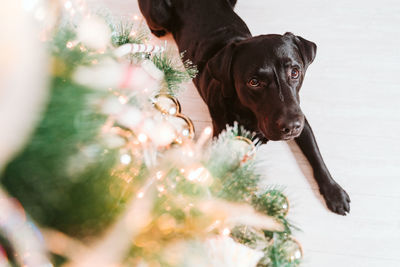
351, 97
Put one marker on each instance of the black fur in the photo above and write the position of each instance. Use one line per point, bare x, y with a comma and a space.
252, 80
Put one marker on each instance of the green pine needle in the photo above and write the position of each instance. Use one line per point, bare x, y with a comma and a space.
55, 189
175, 73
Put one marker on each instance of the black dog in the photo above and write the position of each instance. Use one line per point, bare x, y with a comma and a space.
252, 80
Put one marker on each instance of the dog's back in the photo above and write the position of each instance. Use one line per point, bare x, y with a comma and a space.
199, 27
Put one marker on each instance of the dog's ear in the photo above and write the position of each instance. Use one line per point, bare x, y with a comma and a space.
220, 69
307, 49
233, 3
158, 13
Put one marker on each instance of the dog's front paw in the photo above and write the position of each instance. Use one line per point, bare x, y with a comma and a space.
336, 198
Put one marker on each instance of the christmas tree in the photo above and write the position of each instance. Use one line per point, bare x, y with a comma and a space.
112, 174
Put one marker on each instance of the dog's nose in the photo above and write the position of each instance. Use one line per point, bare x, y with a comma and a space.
289, 127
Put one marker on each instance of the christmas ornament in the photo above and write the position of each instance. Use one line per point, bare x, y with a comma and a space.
167, 104
273, 202
183, 125
293, 250
170, 106
126, 49
290, 248
250, 236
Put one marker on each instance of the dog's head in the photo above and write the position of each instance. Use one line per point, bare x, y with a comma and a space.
266, 73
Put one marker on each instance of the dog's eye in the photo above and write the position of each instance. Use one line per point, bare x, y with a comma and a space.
295, 73
253, 82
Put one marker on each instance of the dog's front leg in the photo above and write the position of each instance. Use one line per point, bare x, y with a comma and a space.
336, 198
219, 121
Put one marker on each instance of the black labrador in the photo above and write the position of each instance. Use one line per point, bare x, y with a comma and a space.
252, 80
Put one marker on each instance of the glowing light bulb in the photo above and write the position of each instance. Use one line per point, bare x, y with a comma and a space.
70, 45
159, 175
172, 111
126, 159
208, 130
140, 195
68, 5
123, 99
226, 232
193, 175
296, 256
142, 138
161, 188
200, 175
185, 132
